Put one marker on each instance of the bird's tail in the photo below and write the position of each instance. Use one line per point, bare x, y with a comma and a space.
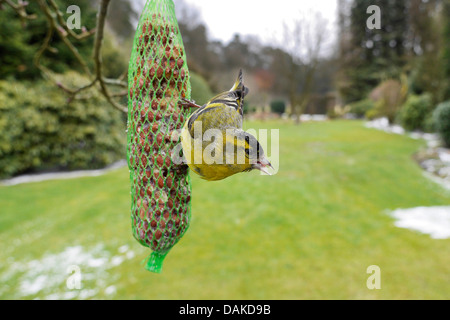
239, 85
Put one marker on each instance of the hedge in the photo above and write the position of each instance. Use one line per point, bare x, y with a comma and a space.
441, 117
41, 131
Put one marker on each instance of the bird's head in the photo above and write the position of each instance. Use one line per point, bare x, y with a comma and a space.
254, 154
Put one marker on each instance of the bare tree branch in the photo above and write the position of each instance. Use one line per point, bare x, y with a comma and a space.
20, 9
57, 24
52, 19
63, 23
103, 10
304, 41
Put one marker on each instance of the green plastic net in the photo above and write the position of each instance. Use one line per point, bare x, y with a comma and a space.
158, 79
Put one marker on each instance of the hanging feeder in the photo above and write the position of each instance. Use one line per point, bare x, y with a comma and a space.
158, 79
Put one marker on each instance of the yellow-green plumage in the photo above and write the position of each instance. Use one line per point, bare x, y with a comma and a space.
229, 150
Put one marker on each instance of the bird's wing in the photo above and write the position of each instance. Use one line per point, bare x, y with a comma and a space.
215, 116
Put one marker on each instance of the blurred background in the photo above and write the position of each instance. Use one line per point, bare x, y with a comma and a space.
316, 71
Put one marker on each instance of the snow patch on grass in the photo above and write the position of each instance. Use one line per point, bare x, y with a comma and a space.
435, 160
434, 221
49, 277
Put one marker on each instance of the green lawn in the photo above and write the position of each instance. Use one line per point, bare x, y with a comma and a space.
309, 232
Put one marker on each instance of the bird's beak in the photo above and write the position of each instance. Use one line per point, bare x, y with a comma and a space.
262, 166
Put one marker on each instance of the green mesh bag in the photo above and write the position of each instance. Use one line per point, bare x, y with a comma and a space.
158, 79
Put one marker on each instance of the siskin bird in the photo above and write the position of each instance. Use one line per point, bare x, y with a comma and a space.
232, 150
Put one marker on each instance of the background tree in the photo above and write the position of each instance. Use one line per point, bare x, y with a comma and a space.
425, 47
121, 17
304, 41
370, 55
445, 57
